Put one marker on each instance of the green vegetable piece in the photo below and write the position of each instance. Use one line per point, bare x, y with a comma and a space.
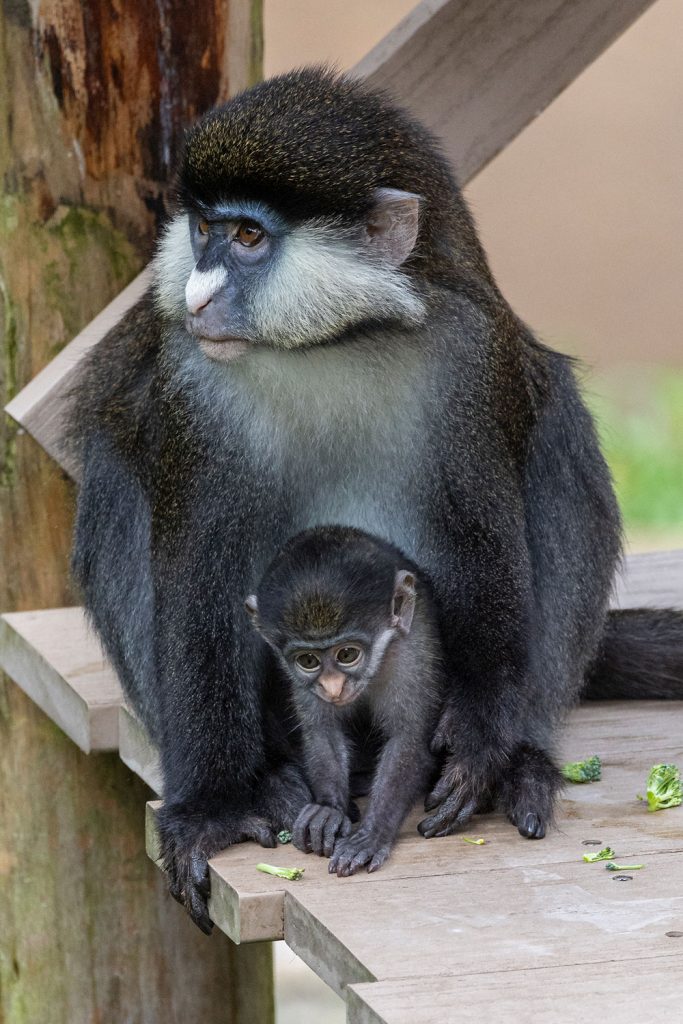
664, 787
589, 770
623, 867
474, 842
606, 854
284, 836
291, 874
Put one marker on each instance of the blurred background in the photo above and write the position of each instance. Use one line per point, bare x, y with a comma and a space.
582, 218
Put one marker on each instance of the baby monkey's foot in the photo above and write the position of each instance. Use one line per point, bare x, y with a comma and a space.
317, 828
359, 850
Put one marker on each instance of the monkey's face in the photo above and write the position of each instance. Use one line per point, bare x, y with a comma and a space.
336, 674
239, 274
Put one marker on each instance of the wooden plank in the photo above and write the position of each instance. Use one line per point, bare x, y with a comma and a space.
39, 407
651, 580
478, 71
640, 992
137, 750
58, 662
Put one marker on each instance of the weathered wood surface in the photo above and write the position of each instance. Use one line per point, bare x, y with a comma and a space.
476, 71
137, 750
577, 994
651, 580
59, 663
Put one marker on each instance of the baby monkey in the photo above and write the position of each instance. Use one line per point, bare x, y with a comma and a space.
355, 631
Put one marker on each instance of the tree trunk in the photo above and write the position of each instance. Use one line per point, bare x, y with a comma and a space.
94, 95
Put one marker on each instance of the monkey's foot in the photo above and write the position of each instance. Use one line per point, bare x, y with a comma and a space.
528, 790
464, 789
189, 838
359, 850
318, 827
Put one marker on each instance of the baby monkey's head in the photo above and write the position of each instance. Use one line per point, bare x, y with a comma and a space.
330, 605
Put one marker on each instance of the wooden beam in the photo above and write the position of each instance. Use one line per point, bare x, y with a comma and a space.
39, 407
137, 750
59, 664
478, 71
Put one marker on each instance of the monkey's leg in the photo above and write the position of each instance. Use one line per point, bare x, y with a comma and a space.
326, 755
528, 790
402, 774
487, 710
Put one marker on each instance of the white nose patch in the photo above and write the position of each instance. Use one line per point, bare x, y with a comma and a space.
202, 285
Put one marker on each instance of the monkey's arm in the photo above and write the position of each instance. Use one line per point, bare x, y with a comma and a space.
402, 775
326, 755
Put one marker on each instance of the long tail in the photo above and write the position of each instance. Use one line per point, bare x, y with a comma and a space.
640, 657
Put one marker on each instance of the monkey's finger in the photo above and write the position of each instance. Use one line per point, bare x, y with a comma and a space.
532, 827
316, 828
441, 790
454, 812
380, 858
355, 864
199, 874
300, 831
198, 910
260, 831
336, 824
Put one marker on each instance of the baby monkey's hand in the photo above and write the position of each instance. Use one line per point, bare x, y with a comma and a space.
318, 827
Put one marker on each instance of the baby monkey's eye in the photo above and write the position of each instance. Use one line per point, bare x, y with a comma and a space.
348, 655
308, 662
203, 227
249, 233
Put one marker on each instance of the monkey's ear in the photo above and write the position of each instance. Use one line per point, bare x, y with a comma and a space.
251, 604
391, 227
403, 601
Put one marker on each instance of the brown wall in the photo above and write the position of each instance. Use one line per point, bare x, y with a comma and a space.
582, 215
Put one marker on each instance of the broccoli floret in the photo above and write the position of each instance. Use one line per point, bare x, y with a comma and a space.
291, 874
664, 787
606, 854
589, 770
284, 837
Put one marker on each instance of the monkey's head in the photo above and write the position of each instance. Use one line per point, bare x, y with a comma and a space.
309, 205
330, 605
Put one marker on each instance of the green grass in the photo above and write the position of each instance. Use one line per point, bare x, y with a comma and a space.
639, 411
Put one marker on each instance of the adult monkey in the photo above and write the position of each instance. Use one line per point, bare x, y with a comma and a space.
326, 344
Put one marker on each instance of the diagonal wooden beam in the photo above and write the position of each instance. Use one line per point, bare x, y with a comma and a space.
476, 71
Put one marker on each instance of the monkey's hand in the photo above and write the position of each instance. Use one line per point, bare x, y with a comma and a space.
318, 827
364, 848
189, 838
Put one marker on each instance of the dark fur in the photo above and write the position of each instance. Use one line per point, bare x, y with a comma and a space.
509, 503
332, 583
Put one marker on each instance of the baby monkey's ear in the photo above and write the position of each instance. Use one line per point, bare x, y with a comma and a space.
403, 601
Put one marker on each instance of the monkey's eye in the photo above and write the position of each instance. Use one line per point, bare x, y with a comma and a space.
203, 226
348, 656
308, 662
249, 233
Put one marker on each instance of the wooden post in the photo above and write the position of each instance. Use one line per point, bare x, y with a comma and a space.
93, 99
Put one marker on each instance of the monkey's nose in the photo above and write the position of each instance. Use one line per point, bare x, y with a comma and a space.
332, 683
202, 286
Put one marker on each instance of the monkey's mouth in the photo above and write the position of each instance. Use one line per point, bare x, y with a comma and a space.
223, 351
345, 697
